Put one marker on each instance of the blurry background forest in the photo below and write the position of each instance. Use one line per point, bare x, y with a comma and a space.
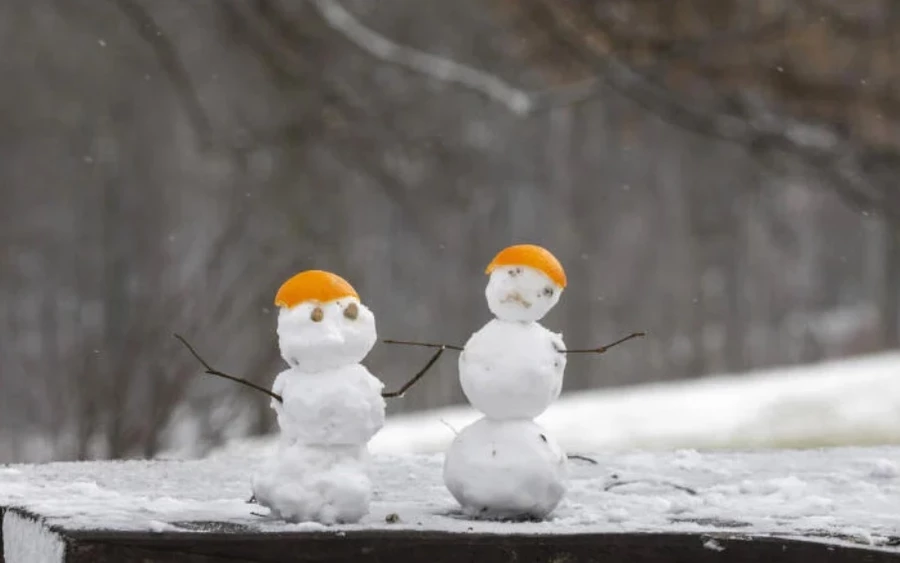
719, 173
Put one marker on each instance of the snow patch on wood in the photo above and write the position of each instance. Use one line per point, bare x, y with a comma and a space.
28, 540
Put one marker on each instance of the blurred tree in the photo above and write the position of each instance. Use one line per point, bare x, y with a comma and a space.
164, 165
812, 80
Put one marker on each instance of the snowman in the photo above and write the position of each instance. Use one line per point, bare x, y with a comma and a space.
330, 406
504, 465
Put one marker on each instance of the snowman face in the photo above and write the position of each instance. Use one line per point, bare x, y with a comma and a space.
315, 337
520, 293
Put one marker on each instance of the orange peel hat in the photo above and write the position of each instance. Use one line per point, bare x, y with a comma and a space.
313, 285
533, 256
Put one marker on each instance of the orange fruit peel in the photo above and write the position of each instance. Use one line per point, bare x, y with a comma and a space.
532, 256
313, 285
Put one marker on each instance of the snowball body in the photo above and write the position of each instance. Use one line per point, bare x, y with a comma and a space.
505, 469
336, 407
512, 369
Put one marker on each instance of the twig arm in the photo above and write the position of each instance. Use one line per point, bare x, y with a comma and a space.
598, 350
415, 378
424, 344
211, 371
603, 349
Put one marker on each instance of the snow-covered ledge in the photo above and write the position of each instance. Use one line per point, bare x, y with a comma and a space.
816, 505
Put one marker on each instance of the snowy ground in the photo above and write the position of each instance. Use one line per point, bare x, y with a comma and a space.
843, 495
846, 402
848, 495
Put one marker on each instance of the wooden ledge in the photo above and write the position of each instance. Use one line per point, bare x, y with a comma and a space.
402, 546
441, 547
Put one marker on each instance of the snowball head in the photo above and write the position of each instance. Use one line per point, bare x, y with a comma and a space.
521, 293
308, 484
512, 370
505, 469
315, 336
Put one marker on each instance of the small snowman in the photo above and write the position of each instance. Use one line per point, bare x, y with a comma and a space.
504, 465
328, 404
330, 407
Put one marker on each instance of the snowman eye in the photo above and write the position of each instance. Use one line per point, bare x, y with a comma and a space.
351, 312
317, 315
548, 291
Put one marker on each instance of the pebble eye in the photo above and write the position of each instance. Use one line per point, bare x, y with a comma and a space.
548, 291
317, 315
351, 312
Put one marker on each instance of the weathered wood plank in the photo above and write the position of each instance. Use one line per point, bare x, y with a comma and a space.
435, 547
31, 538
2, 514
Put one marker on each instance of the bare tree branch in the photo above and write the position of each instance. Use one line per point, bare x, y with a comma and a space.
439, 68
758, 126
171, 65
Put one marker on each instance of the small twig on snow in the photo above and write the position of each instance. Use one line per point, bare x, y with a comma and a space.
211, 371
448, 425
687, 490
583, 458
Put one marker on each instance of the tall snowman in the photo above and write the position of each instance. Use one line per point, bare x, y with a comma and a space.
331, 404
504, 465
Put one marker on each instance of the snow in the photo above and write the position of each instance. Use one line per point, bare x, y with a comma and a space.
25, 540
512, 369
885, 469
828, 494
853, 401
506, 469
714, 545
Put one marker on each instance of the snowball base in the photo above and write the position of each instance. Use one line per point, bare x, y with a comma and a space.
316, 484
505, 470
